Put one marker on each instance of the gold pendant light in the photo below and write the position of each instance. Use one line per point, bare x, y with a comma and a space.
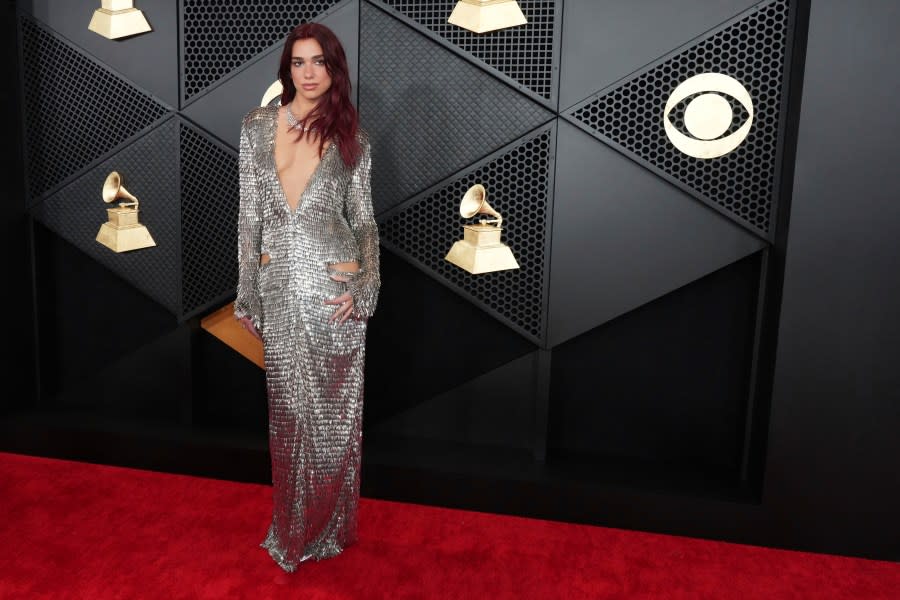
481, 16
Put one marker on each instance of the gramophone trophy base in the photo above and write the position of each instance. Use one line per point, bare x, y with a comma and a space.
123, 232
480, 251
114, 24
481, 16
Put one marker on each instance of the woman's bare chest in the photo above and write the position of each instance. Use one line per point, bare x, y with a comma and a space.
296, 163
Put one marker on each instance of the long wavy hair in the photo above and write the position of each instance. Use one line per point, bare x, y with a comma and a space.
334, 117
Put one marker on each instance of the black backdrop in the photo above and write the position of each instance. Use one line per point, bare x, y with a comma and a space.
684, 349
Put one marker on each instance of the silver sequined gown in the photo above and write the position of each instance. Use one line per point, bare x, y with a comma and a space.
314, 370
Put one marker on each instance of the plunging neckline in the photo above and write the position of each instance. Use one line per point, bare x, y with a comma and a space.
312, 176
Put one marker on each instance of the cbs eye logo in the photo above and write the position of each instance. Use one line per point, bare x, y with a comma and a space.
708, 115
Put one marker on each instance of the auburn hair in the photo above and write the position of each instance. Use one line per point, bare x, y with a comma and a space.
334, 117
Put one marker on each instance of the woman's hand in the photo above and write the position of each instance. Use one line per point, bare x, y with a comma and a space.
247, 323
345, 307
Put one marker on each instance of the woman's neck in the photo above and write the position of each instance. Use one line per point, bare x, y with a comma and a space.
301, 110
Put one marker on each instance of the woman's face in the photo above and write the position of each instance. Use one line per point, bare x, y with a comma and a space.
308, 70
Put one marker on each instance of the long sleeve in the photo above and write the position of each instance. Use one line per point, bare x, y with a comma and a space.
249, 227
360, 216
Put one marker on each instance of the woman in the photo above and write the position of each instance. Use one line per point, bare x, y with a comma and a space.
308, 282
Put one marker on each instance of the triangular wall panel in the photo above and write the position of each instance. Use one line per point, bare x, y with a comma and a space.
75, 109
603, 42
417, 311
518, 180
147, 167
527, 54
741, 184
496, 408
219, 37
429, 111
622, 239
129, 56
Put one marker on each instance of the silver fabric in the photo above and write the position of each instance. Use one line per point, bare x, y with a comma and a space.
314, 369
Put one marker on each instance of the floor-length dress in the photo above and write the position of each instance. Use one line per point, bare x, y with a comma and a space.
314, 368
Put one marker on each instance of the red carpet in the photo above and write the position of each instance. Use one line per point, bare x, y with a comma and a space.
75, 530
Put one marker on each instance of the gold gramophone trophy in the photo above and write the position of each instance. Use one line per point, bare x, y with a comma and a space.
122, 232
117, 19
480, 250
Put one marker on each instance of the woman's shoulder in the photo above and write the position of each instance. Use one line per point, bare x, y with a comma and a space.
259, 114
362, 136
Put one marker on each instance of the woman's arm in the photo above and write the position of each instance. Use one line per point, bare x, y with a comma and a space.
361, 218
247, 303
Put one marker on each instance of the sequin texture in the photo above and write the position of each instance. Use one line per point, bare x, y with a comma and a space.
314, 368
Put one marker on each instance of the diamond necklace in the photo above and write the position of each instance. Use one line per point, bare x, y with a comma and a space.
293, 123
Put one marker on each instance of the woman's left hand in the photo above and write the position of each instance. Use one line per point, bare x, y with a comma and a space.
345, 307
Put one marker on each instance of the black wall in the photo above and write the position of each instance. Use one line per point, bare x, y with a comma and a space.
834, 443
672, 356
18, 369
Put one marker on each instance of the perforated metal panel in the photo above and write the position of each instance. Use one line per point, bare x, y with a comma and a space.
209, 208
218, 37
75, 109
148, 167
741, 183
430, 113
525, 53
518, 181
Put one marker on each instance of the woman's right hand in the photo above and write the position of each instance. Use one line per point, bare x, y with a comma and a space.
247, 323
